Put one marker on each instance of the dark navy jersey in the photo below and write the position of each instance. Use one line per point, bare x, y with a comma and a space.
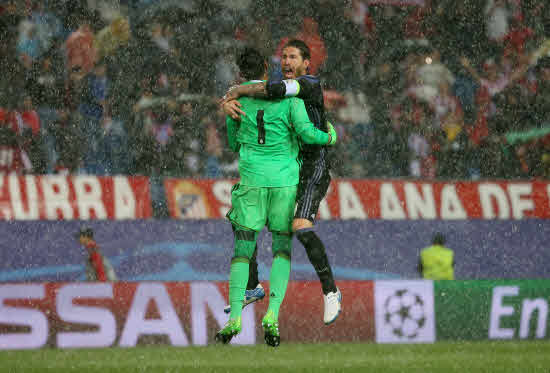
308, 88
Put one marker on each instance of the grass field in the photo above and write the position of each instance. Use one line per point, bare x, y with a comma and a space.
467, 357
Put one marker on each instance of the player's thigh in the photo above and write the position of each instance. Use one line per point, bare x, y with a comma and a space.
281, 208
248, 207
312, 189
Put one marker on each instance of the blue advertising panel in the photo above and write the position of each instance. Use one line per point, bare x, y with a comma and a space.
191, 250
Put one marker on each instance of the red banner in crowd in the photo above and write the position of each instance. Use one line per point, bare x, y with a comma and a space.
380, 199
54, 197
180, 314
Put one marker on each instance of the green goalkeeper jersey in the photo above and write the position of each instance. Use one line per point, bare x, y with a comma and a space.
268, 140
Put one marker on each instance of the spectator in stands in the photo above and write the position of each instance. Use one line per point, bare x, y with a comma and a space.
478, 133
421, 140
226, 70
67, 141
32, 134
517, 37
186, 154
388, 21
449, 122
437, 261
112, 149
418, 27
497, 15
112, 37
81, 54
48, 26
13, 158
19, 136
46, 86
28, 44
431, 74
214, 146
541, 102
93, 104
495, 80
537, 16
13, 81
98, 267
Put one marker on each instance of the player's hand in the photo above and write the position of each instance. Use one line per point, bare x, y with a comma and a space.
332, 136
233, 109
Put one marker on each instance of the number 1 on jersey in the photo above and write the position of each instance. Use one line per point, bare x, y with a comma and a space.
261, 127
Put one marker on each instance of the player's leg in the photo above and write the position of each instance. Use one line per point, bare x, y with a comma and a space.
248, 216
254, 290
253, 280
311, 190
280, 211
278, 282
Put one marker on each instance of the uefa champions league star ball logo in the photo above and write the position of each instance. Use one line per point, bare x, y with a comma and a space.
404, 313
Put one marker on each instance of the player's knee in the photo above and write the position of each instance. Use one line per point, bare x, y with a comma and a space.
245, 243
282, 244
282, 255
240, 259
300, 223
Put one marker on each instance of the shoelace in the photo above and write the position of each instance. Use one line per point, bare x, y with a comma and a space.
332, 298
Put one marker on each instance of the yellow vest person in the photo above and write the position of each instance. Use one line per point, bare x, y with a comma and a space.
437, 261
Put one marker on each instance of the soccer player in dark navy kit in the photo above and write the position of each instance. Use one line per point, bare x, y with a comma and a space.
314, 172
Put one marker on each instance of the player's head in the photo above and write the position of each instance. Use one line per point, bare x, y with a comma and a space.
438, 239
85, 235
295, 59
252, 64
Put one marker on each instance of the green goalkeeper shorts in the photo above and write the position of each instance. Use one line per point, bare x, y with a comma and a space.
254, 207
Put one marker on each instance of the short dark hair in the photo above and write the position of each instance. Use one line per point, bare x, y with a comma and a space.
302, 46
439, 239
85, 232
251, 63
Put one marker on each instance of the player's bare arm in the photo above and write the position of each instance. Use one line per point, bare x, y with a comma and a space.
257, 90
232, 107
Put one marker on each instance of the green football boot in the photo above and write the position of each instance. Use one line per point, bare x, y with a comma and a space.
271, 330
231, 329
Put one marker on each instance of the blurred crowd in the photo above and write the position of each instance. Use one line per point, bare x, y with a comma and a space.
415, 88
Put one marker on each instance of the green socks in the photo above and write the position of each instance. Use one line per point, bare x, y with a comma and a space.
238, 278
278, 281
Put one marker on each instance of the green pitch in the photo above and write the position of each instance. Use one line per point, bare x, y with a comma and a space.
471, 357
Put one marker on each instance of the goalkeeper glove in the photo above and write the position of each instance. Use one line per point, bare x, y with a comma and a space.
332, 136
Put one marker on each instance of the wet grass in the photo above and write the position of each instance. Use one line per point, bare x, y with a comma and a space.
471, 357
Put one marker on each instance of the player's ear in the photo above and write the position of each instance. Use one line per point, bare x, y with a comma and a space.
306, 64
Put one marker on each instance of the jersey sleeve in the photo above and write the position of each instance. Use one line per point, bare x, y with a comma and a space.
303, 126
303, 87
232, 128
277, 89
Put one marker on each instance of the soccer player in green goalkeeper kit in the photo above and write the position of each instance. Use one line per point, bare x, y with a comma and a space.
314, 172
268, 141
